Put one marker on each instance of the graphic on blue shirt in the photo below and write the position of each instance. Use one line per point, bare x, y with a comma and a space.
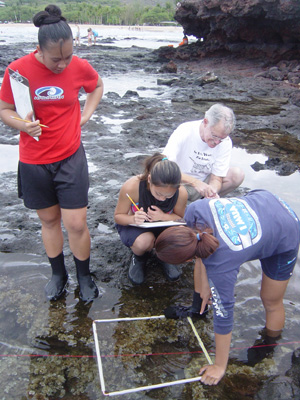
49, 93
217, 303
237, 223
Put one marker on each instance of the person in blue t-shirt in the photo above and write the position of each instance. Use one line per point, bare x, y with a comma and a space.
223, 234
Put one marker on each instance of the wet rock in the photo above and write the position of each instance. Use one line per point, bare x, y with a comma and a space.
294, 371
167, 82
250, 27
282, 168
279, 388
171, 67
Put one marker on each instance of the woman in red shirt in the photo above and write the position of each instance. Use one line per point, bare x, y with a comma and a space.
53, 173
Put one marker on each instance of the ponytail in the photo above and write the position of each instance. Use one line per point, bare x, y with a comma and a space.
178, 244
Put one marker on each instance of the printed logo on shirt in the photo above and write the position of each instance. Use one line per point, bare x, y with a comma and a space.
49, 93
217, 303
237, 222
202, 164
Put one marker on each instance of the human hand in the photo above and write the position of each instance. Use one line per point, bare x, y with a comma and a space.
206, 295
83, 120
212, 374
155, 214
32, 128
140, 217
205, 190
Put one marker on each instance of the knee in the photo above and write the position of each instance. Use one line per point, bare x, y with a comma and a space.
237, 176
144, 242
272, 305
50, 221
76, 226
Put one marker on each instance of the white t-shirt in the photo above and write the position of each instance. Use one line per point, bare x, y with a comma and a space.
193, 156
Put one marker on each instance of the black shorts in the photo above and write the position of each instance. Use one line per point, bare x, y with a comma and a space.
64, 182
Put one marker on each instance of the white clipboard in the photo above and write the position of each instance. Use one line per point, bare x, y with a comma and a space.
21, 92
159, 224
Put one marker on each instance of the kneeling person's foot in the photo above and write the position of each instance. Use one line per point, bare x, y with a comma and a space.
88, 289
136, 272
180, 312
56, 287
171, 271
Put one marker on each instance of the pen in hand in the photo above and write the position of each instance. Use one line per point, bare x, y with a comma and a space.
26, 120
132, 202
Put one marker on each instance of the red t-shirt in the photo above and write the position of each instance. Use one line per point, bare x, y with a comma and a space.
55, 103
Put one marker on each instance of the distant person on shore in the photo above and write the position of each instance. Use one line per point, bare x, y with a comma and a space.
156, 195
222, 234
53, 172
77, 35
202, 149
92, 35
184, 41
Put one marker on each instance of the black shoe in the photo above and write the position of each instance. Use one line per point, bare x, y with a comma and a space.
136, 272
56, 287
88, 289
171, 271
262, 349
179, 312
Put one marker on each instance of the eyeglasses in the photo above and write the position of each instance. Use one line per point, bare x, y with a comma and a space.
217, 139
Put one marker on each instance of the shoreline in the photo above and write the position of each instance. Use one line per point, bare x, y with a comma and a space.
151, 28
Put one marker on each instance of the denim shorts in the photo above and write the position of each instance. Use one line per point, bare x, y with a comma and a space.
280, 266
64, 182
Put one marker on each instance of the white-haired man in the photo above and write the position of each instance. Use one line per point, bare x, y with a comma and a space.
202, 149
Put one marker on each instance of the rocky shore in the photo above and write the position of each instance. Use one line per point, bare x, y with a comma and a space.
267, 111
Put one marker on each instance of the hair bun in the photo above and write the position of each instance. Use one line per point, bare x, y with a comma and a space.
51, 15
52, 9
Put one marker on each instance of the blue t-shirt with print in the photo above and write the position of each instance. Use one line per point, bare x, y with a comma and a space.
255, 226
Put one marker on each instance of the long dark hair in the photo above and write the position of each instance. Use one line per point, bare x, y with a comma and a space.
52, 26
162, 171
178, 244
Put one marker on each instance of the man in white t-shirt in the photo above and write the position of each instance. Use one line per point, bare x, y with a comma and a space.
202, 149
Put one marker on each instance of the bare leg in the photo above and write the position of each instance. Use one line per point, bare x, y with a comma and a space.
143, 243
232, 180
51, 230
272, 293
78, 233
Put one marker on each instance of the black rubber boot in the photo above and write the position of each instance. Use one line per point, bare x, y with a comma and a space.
136, 272
56, 287
88, 289
171, 271
262, 348
193, 311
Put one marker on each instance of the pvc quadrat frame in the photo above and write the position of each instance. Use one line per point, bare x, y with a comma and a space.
138, 389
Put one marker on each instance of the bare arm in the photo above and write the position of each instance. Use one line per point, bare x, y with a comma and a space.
123, 214
206, 190
201, 284
215, 182
212, 374
92, 101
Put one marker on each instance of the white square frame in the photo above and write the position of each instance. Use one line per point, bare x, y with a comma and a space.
140, 388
